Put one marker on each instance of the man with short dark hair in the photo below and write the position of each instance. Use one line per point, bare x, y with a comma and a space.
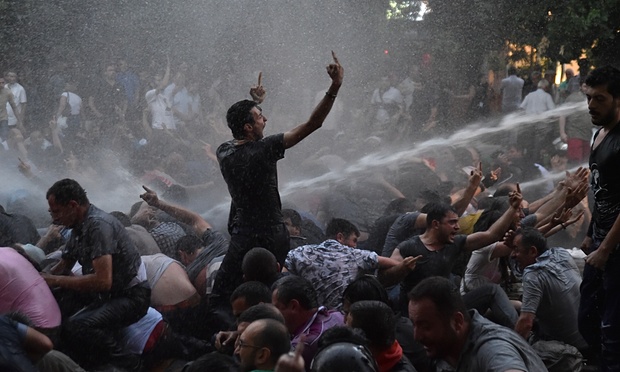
112, 291
462, 340
440, 246
248, 165
551, 283
247, 295
261, 344
599, 310
332, 265
305, 319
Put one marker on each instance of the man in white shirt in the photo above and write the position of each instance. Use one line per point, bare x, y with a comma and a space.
19, 96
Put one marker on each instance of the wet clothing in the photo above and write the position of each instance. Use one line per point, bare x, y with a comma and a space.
321, 321
432, 263
23, 289
551, 291
102, 234
402, 229
215, 245
330, 267
490, 347
255, 220
511, 93
166, 234
599, 309
17, 228
13, 357
89, 332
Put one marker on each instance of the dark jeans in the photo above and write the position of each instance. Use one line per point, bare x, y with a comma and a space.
492, 297
230, 275
89, 336
599, 310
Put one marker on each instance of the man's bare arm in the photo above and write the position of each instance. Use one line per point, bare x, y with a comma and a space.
297, 134
99, 281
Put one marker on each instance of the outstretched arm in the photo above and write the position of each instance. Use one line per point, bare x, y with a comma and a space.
297, 134
184, 215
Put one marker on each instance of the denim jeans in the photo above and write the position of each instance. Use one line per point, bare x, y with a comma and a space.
599, 310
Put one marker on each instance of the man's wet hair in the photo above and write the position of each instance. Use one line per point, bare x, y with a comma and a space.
606, 75
366, 287
238, 115
261, 265
377, 320
121, 217
436, 211
293, 215
294, 287
511, 70
188, 244
339, 225
66, 190
532, 237
254, 293
261, 311
443, 293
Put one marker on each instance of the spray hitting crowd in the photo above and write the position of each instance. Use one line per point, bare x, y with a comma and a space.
482, 256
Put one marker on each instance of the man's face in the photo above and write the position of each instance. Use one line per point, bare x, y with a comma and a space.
430, 329
239, 305
2, 83
260, 121
448, 227
246, 349
11, 78
523, 256
110, 72
65, 215
603, 107
349, 241
122, 65
292, 230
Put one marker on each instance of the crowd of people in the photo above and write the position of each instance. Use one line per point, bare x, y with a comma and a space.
460, 259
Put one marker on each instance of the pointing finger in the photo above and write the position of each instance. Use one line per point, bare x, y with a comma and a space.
260, 78
518, 188
146, 189
334, 57
480, 166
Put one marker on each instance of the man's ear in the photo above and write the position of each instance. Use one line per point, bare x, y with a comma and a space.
458, 322
434, 224
263, 355
340, 237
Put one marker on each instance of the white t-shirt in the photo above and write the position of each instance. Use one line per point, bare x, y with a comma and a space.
74, 101
161, 113
19, 96
135, 336
537, 102
390, 96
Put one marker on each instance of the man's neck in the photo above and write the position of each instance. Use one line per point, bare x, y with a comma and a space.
431, 240
456, 349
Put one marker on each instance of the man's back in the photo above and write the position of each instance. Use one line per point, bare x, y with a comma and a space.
511, 93
551, 291
538, 102
330, 267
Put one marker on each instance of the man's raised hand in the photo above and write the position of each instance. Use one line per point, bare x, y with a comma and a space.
257, 91
150, 197
335, 70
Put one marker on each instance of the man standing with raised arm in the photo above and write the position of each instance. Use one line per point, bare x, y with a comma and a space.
248, 164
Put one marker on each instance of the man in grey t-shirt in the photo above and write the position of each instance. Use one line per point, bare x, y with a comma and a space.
460, 340
551, 283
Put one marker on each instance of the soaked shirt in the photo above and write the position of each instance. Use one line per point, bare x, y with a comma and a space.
102, 234
330, 267
551, 291
251, 173
605, 182
432, 263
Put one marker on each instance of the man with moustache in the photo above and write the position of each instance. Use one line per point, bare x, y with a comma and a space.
249, 166
599, 310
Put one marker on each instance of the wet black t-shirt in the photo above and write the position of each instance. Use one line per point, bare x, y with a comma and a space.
432, 263
102, 234
605, 182
251, 173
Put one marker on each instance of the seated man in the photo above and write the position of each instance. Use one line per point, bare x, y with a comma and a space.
113, 291
551, 295
261, 344
305, 319
333, 264
458, 339
172, 294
